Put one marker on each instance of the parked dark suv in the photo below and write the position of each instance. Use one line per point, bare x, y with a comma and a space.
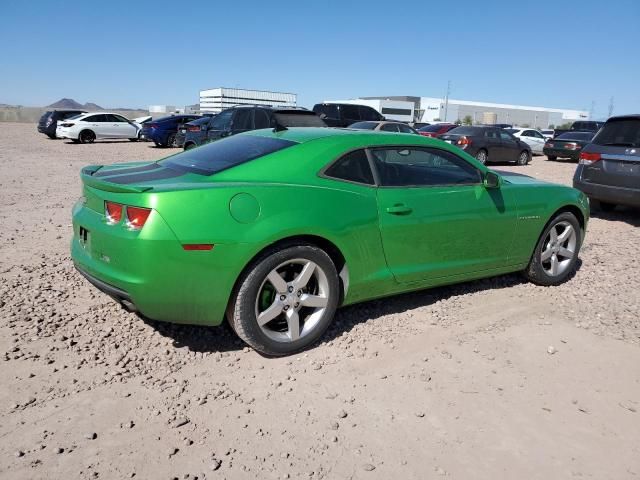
345, 114
243, 118
49, 120
489, 144
609, 167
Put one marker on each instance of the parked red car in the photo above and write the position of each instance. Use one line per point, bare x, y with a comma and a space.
436, 129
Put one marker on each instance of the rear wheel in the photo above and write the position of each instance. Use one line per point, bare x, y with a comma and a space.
482, 156
553, 158
189, 146
556, 253
523, 158
171, 140
52, 136
285, 300
87, 136
607, 207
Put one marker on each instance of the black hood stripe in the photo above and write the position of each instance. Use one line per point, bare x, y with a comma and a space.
125, 171
161, 174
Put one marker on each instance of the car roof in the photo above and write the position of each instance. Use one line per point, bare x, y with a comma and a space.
634, 116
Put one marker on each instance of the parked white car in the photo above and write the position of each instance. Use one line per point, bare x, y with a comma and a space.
88, 127
531, 137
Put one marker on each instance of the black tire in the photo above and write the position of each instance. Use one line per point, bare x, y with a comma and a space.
553, 158
158, 144
189, 146
482, 156
87, 136
606, 206
242, 308
535, 272
523, 158
52, 136
134, 139
171, 139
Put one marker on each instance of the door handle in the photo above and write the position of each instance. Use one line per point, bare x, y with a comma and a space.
399, 209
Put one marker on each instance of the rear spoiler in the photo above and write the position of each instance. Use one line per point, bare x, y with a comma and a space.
86, 175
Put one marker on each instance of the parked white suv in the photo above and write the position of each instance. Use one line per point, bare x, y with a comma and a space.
531, 137
88, 127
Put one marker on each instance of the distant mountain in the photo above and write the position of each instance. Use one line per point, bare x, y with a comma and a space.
71, 104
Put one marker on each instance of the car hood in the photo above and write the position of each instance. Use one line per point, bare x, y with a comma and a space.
520, 179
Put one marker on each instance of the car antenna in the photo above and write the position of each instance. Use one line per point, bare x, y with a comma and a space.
279, 127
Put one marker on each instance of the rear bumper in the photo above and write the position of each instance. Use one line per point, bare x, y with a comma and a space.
149, 272
562, 153
607, 193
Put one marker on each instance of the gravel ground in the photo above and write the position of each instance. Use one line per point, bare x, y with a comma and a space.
491, 379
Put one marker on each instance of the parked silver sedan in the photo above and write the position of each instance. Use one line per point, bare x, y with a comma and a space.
532, 137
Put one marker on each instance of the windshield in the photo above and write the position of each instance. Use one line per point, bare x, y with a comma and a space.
364, 125
624, 132
223, 154
200, 121
582, 136
512, 130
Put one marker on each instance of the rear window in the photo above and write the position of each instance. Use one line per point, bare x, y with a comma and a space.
465, 131
292, 119
431, 128
621, 133
583, 136
200, 121
223, 154
512, 130
364, 125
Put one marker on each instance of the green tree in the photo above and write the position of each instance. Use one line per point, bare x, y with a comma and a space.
551, 126
565, 126
467, 120
437, 119
525, 125
458, 122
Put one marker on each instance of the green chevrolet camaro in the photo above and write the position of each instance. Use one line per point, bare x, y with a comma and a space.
277, 229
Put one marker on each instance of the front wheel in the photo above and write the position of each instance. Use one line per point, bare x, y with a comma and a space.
523, 158
285, 300
52, 136
553, 158
556, 253
171, 140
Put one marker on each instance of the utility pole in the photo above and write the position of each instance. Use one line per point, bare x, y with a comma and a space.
446, 100
611, 106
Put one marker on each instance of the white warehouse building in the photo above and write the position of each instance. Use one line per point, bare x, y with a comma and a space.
214, 100
430, 109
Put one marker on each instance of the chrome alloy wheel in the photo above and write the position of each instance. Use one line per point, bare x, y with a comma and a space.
291, 300
559, 248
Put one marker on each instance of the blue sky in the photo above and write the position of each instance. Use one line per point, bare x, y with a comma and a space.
562, 54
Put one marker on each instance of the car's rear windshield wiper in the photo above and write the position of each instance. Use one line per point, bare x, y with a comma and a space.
620, 144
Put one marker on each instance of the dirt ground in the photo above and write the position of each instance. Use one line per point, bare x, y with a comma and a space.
486, 380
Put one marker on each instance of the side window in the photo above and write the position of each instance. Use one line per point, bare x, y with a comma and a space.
404, 128
92, 118
242, 119
389, 127
350, 112
491, 134
368, 113
353, 167
506, 137
221, 121
260, 119
537, 134
114, 118
402, 167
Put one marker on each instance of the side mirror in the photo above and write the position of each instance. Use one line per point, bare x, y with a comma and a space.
491, 180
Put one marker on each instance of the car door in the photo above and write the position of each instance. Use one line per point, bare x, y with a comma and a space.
536, 141
220, 125
493, 145
509, 147
437, 219
122, 127
97, 124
